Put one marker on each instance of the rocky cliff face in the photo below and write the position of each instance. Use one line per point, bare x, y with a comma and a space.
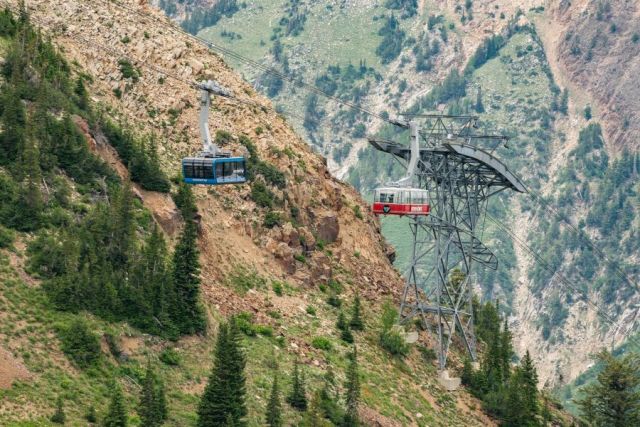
598, 47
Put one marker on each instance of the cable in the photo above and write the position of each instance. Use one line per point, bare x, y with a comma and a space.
563, 279
248, 61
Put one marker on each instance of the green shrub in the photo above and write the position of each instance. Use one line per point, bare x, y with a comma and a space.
322, 343
264, 330
80, 344
311, 310
170, 356
244, 322
394, 343
128, 71
271, 219
274, 314
300, 257
357, 211
334, 301
223, 137
6, 237
277, 287
261, 195
390, 338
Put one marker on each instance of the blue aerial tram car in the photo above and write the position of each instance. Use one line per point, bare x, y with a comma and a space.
212, 166
213, 171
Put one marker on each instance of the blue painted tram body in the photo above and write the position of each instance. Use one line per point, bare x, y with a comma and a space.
214, 170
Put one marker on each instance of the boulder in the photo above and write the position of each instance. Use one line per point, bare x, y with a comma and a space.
327, 227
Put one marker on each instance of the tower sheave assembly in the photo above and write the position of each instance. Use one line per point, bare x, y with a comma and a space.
458, 178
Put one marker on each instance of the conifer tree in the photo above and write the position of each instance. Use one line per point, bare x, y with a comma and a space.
14, 121
614, 399
346, 335
343, 327
341, 324
313, 417
353, 391
564, 102
529, 385
328, 398
298, 396
223, 400
506, 350
187, 315
117, 415
356, 322
59, 417
479, 107
274, 407
30, 203
122, 227
152, 410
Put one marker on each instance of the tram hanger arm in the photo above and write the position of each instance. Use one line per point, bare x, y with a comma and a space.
207, 90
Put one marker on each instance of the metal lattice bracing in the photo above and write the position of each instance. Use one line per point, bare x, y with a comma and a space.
460, 178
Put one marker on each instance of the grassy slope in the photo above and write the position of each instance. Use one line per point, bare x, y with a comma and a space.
408, 387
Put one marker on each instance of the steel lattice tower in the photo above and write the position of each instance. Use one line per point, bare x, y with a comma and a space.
460, 178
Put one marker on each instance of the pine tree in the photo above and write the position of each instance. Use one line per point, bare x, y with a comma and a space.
467, 373
614, 399
122, 227
59, 417
353, 391
529, 386
328, 398
564, 102
223, 400
14, 121
152, 410
298, 396
479, 107
30, 203
346, 335
117, 415
341, 324
356, 322
313, 416
343, 327
152, 282
274, 407
506, 351
187, 313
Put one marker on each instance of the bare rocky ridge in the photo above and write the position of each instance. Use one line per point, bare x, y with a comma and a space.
598, 50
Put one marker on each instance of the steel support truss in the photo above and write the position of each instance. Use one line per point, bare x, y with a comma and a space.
460, 178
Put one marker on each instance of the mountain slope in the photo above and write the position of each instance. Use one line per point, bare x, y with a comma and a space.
583, 61
326, 247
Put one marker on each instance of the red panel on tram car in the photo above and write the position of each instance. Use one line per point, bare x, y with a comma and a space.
379, 208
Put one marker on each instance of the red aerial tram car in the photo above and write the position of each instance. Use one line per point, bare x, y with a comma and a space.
400, 201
